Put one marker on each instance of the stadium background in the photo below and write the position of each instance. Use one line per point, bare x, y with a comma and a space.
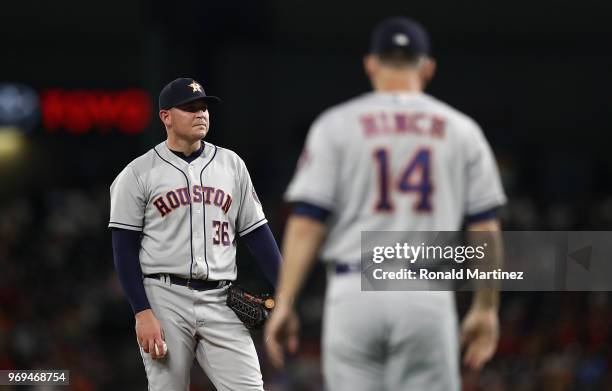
535, 75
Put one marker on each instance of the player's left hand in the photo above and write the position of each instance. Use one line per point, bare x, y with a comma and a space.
281, 332
479, 335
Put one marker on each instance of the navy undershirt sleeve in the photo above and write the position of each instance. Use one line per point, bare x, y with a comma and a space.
307, 209
262, 245
126, 246
484, 215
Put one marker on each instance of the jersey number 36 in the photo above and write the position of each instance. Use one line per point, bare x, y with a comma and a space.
221, 229
415, 178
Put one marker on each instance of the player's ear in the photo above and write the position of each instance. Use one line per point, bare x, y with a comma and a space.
164, 115
428, 69
370, 65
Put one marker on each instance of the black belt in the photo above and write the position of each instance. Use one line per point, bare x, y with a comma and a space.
198, 285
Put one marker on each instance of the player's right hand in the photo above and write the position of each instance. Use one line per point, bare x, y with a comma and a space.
479, 336
150, 334
281, 333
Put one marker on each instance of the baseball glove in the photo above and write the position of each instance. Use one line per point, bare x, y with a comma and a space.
252, 310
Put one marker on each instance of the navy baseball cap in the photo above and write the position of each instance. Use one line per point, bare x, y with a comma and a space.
401, 33
183, 90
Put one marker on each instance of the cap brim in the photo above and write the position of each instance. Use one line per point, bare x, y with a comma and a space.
209, 99
212, 99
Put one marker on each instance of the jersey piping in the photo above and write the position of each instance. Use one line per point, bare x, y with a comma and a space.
190, 217
127, 225
250, 226
204, 208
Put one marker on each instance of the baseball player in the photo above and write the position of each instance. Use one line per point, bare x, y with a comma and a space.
176, 214
395, 159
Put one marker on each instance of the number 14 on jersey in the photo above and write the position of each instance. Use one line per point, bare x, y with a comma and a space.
414, 178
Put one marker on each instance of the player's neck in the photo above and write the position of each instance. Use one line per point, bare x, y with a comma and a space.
184, 146
398, 82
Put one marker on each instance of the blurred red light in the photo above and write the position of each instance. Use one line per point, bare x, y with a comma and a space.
83, 111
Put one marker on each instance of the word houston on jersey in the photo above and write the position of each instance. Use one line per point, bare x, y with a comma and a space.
181, 197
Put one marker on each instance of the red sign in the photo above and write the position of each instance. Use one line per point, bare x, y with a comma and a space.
82, 111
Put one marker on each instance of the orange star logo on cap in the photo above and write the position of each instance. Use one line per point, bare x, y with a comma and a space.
196, 87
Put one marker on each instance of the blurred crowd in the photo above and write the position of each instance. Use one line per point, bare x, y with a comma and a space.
61, 306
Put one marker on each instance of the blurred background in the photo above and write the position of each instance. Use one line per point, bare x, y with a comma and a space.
78, 101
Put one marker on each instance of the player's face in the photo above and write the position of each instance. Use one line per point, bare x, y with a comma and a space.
191, 120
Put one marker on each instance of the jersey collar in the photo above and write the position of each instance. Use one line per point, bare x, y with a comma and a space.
193, 156
168, 154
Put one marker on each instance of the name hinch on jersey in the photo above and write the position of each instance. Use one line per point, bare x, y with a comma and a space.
180, 197
408, 123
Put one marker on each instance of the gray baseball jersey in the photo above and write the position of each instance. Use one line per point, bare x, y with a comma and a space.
394, 162
189, 213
